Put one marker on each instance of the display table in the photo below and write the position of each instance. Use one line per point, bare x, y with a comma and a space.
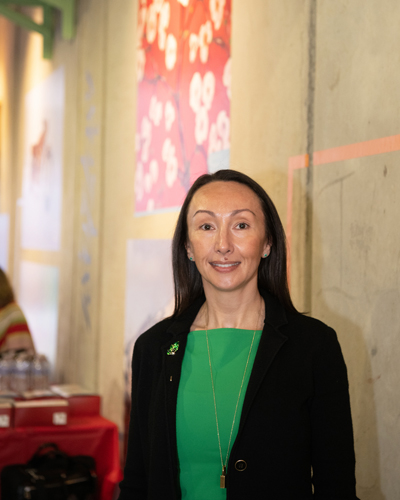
94, 436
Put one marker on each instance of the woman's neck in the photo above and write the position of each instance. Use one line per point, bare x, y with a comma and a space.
231, 310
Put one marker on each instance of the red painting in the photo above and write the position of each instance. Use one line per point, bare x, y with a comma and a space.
184, 92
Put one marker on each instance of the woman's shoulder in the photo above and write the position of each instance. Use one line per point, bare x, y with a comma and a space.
306, 329
155, 334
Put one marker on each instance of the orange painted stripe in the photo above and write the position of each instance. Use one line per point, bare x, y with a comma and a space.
357, 150
341, 153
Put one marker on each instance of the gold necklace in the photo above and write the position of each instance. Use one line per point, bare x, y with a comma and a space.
223, 475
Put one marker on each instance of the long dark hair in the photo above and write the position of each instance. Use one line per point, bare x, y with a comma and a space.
6, 293
272, 272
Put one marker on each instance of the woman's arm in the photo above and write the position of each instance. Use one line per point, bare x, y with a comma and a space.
133, 486
333, 459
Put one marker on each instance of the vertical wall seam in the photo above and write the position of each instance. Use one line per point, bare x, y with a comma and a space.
102, 190
312, 28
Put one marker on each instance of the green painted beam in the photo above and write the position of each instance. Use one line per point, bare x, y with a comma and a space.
67, 8
22, 2
45, 29
48, 37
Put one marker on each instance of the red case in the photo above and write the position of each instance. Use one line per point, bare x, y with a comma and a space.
84, 406
41, 412
6, 414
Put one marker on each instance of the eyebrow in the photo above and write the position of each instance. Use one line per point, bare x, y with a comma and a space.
235, 212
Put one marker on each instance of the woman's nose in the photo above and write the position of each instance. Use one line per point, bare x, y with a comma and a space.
223, 244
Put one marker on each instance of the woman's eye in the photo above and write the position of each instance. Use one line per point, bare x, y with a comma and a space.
242, 225
206, 227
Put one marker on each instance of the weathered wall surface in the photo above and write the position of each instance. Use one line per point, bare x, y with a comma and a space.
306, 76
355, 206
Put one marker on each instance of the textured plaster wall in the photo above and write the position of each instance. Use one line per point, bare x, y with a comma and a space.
355, 237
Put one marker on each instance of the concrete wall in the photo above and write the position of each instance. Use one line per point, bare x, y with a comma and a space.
307, 76
355, 203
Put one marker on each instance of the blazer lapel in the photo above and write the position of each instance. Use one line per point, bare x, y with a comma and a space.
271, 342
172, 353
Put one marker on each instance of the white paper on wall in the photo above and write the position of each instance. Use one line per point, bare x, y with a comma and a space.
38, 298
42, 170
149, 291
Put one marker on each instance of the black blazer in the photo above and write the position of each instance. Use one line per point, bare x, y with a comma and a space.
296, 414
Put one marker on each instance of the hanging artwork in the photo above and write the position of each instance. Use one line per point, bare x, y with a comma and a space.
42, 172
184, 92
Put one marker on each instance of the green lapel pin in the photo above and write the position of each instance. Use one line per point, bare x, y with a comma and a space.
173, 348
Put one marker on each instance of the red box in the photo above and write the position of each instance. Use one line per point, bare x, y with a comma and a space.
6, 413
39, 412
84, 406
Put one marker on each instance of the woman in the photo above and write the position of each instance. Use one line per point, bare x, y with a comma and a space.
14, 331
237, 395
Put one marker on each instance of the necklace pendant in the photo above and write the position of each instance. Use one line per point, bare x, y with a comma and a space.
222, 478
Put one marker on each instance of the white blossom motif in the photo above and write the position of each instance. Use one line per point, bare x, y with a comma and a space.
146, 134
208, 89
219, 137
171, 172
224, 128
162, 37
170, 52
185, 3
139, 181
168, 156
201, 125
157, 5
205, 38
163, 23
140, 64
195, 92
167, 149
153, 170
169, 114
193, 46
227, 77
147, 183
217, 12
155, 111
151, 28
150, 205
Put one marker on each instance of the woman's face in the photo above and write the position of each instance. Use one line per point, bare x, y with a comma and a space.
226, 235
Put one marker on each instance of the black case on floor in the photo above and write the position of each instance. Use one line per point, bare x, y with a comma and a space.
50, 475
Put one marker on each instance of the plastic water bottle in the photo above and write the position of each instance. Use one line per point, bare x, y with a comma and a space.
40, 373
20, 377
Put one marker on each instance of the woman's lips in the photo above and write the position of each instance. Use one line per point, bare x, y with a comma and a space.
225, 266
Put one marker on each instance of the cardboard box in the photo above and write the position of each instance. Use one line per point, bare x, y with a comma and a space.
41, 412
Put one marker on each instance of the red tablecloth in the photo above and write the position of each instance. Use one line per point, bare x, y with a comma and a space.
94, 436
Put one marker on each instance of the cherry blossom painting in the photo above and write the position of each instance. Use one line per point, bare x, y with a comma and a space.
184, 93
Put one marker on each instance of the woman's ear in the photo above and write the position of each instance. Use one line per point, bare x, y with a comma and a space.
189, 251
266, 250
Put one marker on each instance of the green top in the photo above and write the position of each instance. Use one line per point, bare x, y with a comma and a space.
197, 439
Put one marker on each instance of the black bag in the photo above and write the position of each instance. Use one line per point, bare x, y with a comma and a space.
50, 475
